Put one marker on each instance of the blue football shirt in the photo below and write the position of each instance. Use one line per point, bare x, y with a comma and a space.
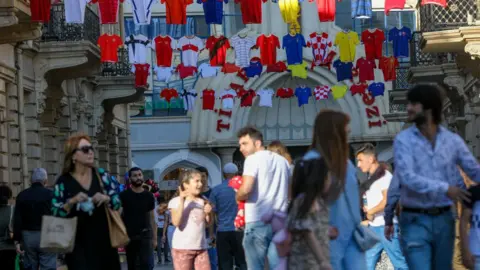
344, 70
213, 10
293, 46
376, 89
302, 95
401, 41
255, 69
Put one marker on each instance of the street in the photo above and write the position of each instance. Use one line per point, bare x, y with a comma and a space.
157, 267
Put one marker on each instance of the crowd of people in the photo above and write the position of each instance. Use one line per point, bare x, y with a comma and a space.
311, 213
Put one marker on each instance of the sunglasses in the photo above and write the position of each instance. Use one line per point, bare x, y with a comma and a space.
85, 149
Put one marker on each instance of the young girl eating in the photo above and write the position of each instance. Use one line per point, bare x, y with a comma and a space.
190, 215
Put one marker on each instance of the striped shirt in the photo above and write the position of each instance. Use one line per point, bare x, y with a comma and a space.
242, 48
225, 205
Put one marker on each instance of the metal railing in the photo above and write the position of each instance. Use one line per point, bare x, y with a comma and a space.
57, 29
397, 108
401, 81
157, 107
121, 68
419, 58
457, 13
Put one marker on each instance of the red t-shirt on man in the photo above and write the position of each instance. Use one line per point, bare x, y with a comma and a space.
109, 45
218, 47
246, 97
164, 46
366, 69
268, 49
389, 65
373, 42
285, 92
168, 94
208, 97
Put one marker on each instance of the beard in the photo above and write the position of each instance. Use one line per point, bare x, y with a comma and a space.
137, 183
419, 119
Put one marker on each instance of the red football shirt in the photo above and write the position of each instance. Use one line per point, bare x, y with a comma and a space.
109, 45
389, 65
373, 42
326, 10
268, 49
218, 47
442, 3
394, 4
251, 10
230, 68
246, 97
168, 94
285, 92
358, 88
164, 50
208, 97
277, 67
185, 72
141, 74
176, 10
40, 10
366, 69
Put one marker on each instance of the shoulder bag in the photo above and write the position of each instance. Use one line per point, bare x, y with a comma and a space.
116, 227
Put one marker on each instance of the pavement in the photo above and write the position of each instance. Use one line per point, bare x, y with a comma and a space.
157, 266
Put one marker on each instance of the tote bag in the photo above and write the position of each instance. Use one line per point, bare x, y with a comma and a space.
58, 234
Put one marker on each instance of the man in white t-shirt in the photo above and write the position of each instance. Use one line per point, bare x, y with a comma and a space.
264, 189
374, 202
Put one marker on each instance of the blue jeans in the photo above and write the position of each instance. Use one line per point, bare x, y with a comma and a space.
35, 258
212, 255
392, 248
348, 257
258, 245
477, 263
427, 240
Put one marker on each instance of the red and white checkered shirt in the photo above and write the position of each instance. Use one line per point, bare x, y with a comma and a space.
322, 91
321, 45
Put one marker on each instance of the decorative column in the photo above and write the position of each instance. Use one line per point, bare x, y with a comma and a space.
226, 155
4, 145
113, 151
123, 148
14, 156
34, 138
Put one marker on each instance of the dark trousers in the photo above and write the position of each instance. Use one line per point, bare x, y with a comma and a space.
229, 246
139, 253
162, 245
34, 257
7, 259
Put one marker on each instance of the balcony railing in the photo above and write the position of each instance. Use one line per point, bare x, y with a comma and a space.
457, 13
397, 108
419, 58
59, 30
401, 82
121, 68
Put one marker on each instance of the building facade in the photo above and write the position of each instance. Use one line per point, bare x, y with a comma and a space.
446, 52
165, 137
52, 85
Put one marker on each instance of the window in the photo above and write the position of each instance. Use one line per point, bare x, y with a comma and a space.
158, 26
157, 107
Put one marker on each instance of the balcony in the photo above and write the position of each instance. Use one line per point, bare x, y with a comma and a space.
458, 13
16, 24
121, 68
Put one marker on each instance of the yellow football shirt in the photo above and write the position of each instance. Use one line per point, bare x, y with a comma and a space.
299, 70
339, 91
347, 43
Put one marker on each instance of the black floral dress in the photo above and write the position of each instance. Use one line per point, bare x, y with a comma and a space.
92, 250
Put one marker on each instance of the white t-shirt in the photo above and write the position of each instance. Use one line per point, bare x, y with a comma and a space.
242, 48
163, 73
190, 234
189, 97
375, 196
270, 192
190, 48
227, 97
139, 55
208, 71
265, 97
75, 10
142, 11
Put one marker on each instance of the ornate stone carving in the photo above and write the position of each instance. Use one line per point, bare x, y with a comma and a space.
473, 49
456, 81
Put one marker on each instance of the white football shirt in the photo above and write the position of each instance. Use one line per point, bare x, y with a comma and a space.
208, 71
190, 47
75, 10
227, 97
189, 97
142, 11
139, 54
265, 97
242, 48
163, 73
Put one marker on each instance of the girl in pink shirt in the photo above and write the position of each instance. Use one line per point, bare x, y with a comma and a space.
190, 215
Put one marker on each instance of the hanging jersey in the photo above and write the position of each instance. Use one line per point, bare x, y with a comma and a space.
326, 10
344, 70
190, 47
320, 44
255, 68
108, 10
141, 74
142, 11
163, 73
442, 3
376, 89
208, 97
109, 47
389, 65
373, 42
227, 97
299, 70
137, 48
268, 48
40, 10
293, 46
347, 43
277, 67
246, 97
285, 92
289, 10
168, 94
217, 47
401, 40
208, 71
189, 97
265, 97
321, 92
242, 48
164, 46
176, 10
185, 72
358, 88
339, 91
251, 10
366, 69
303, 94
230, 68
361, 9
75, 10
213, 10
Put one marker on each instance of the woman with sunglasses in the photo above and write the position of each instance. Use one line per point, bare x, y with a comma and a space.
78, 193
